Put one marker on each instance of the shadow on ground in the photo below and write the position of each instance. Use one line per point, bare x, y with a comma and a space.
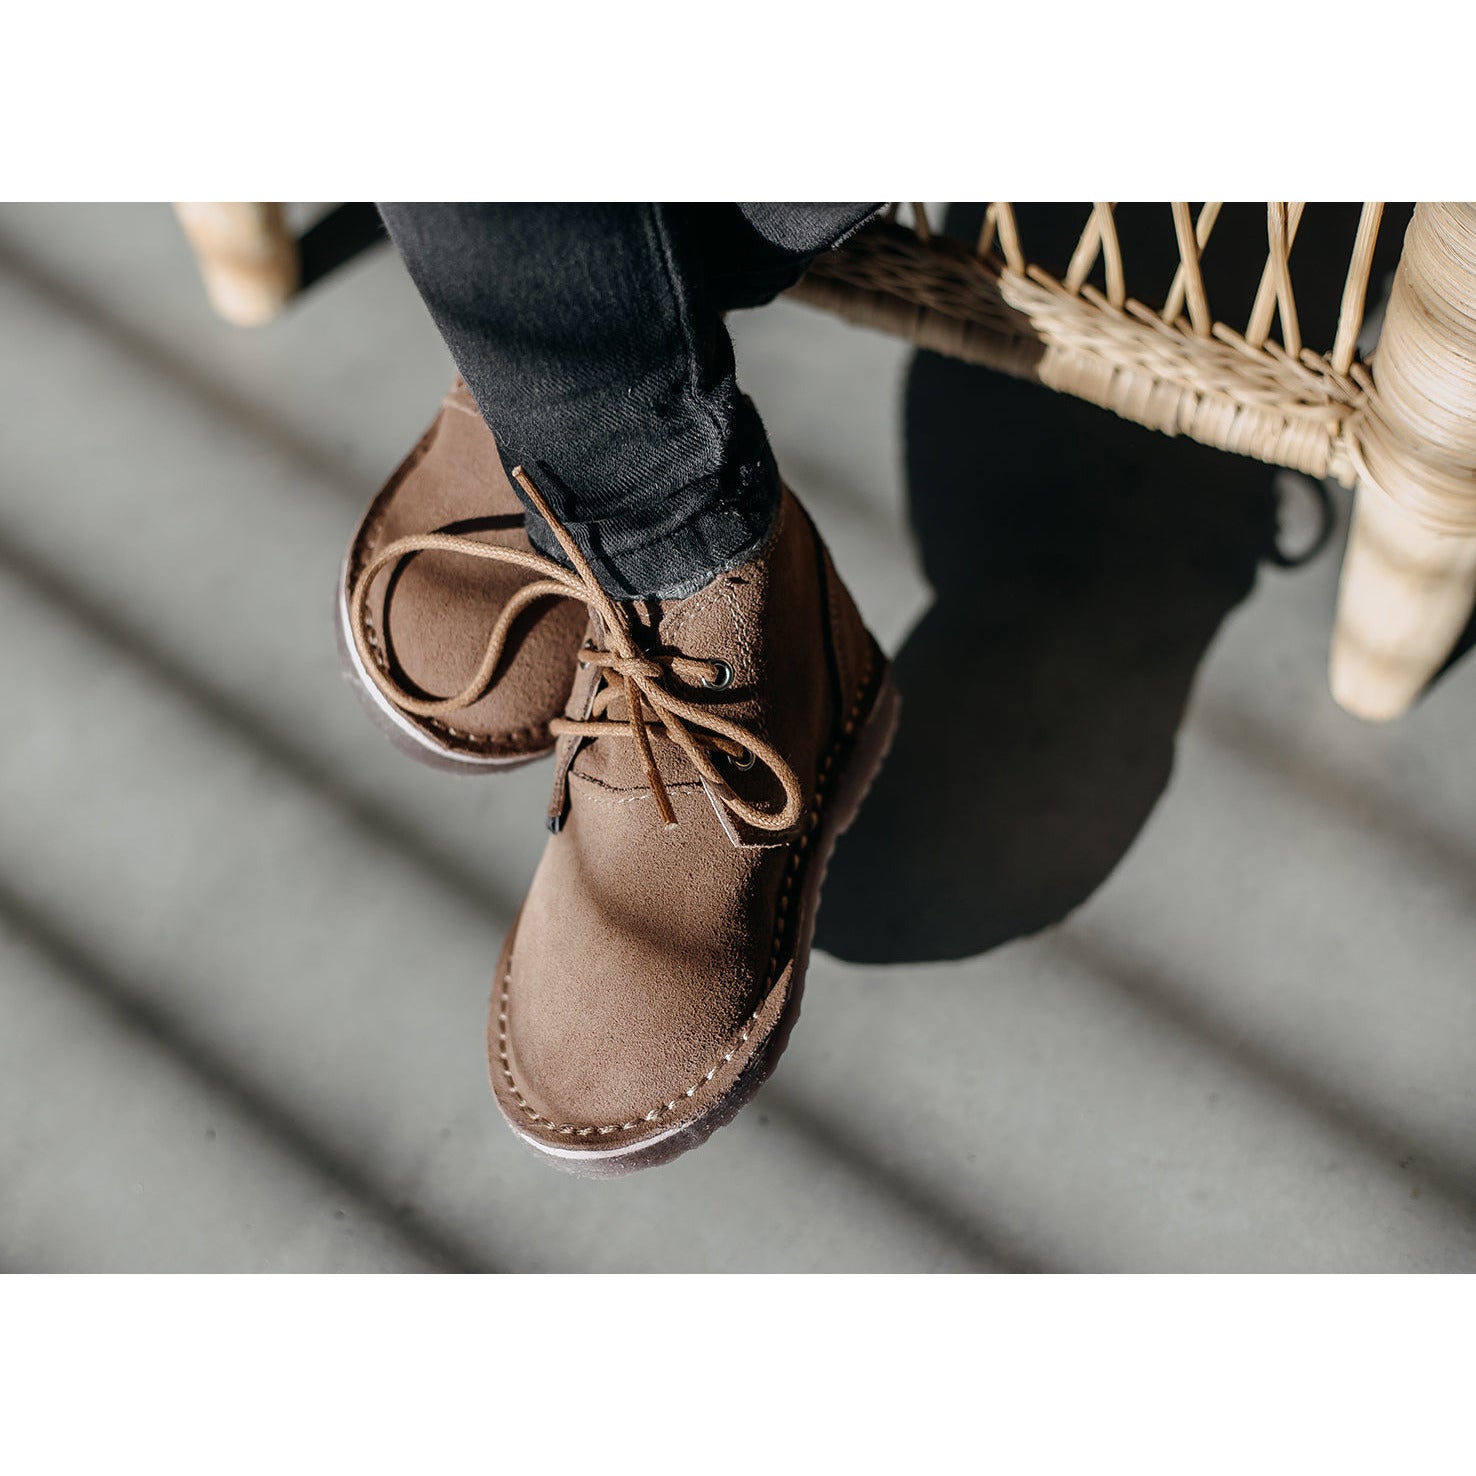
1081, 567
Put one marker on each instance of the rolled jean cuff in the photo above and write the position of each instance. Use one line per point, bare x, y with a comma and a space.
704, 529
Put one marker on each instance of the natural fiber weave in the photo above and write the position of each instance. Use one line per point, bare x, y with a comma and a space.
1403, 424
1243, 392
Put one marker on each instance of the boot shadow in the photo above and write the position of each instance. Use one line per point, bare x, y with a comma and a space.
1081, 566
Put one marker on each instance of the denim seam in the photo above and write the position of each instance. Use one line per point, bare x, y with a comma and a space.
684, 332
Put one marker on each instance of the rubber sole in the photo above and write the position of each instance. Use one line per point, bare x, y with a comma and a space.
868, 753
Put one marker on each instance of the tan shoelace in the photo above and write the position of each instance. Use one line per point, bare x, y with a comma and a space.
627, 672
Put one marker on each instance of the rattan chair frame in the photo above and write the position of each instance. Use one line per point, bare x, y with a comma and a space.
1399, 427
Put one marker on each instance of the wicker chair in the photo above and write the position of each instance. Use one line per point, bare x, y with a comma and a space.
1399, 427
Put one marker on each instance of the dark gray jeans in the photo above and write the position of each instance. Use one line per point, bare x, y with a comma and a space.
592, 337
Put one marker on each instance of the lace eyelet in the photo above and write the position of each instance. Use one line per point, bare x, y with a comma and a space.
745, 763
722, 677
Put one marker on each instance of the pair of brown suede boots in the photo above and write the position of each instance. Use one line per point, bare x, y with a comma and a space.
709, 750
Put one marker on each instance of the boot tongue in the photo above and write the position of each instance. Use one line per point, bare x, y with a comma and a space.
700, 626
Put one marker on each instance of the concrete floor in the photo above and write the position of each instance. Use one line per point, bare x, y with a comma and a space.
1143, 957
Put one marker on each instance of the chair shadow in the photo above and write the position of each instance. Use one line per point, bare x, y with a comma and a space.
1081, 566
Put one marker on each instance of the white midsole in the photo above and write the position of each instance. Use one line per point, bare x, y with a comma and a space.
617, 1152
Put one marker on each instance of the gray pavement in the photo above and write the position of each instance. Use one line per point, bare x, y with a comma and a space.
1143, 956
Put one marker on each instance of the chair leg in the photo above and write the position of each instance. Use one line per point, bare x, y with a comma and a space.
246, 256
1405, 597
1409, 578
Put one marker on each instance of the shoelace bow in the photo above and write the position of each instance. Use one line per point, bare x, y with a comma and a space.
628, 672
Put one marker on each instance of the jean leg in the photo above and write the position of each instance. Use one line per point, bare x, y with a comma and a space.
592, 344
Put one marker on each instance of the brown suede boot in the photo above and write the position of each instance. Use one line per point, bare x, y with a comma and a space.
424, 616
714, 748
